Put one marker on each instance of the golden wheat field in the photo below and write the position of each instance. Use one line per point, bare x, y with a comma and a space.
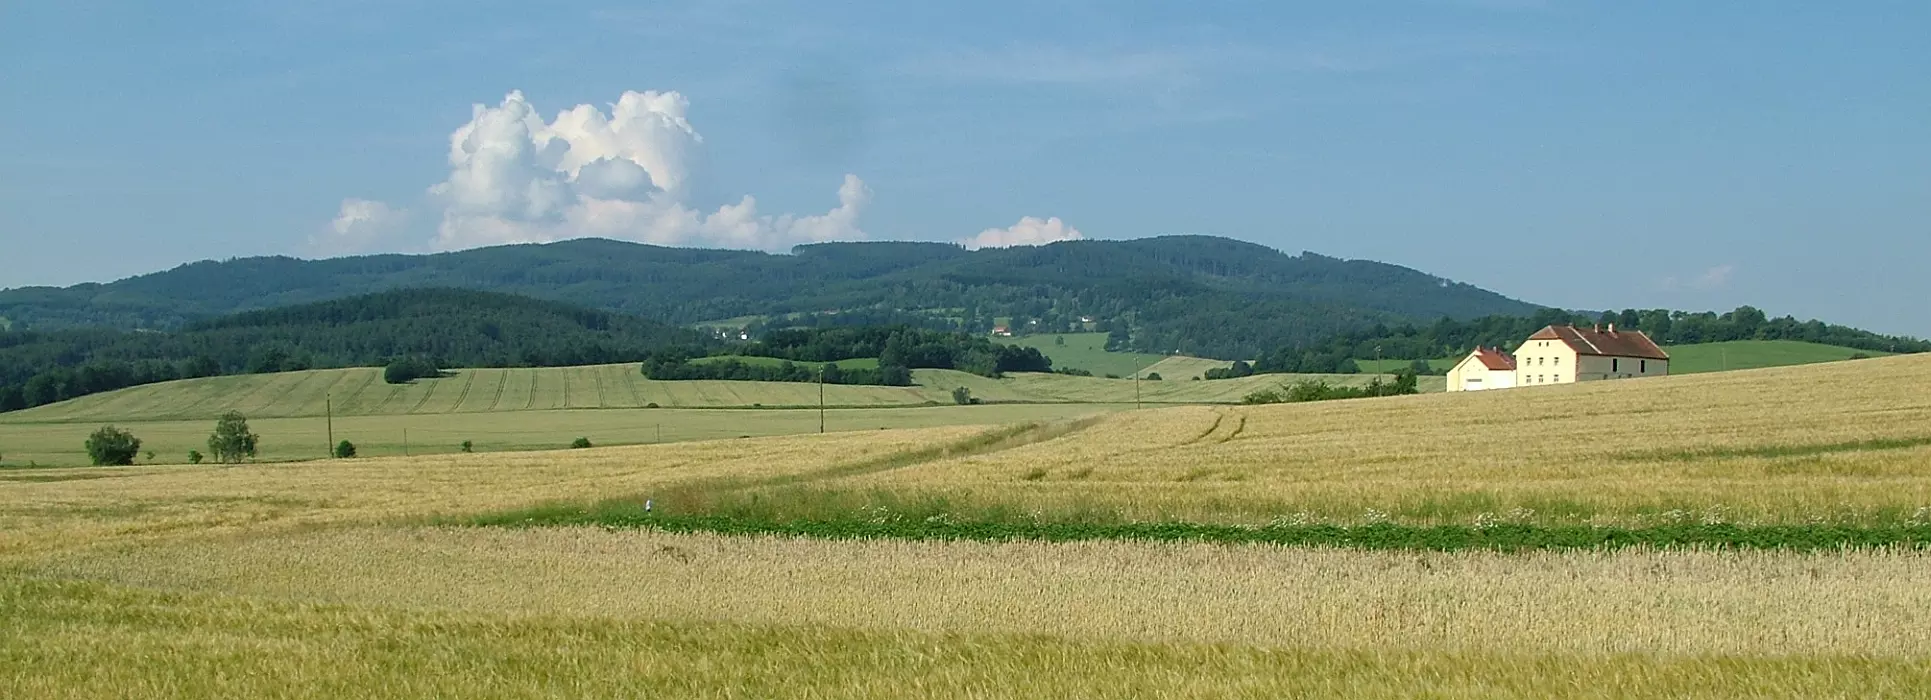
327, 579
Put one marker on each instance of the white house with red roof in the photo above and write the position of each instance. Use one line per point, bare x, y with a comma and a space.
1563, 355
1486, 368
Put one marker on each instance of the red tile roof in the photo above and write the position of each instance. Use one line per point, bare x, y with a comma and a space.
1605, 343
1495, 359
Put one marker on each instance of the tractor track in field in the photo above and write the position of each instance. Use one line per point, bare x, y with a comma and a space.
530, 402
428, 392
468, 381
502, 382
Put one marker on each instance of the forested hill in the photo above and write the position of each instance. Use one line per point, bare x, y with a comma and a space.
453, 327
1195, 294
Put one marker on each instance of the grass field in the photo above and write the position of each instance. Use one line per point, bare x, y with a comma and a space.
1756, 354
1702, 357
1085, 351
1387, 366
327, 579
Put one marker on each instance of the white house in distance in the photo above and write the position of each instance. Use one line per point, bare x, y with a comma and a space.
1486, 368
1565, 355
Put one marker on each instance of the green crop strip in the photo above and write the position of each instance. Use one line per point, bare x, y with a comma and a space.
1776, 451
1378, 536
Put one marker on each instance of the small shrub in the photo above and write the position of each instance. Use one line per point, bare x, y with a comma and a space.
150, 454
580, 443
1153, 376
194, 456
111, 446
469, 446
652, 404
1860, 356
344, 449
962, 396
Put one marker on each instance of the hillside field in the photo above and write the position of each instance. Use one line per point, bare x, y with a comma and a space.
1085, 351
539, 408
1702, 357
381, 578
1755, 354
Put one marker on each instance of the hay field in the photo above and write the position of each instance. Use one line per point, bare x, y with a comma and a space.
61, 444
361, 392
1839, 442
323, 578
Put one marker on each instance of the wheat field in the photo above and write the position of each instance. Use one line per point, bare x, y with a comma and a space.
326, 579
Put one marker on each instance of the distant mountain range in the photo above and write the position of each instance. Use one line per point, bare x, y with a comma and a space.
1194, 294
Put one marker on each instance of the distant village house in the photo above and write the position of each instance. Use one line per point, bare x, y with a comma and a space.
1562, 355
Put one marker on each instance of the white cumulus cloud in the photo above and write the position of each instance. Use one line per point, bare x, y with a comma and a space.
1030, 230
360, 225
515, 177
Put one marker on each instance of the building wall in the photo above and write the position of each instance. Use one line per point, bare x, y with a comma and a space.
1599, 368
1472, 375
1540, 362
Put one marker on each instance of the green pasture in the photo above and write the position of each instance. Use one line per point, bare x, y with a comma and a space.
1085, 351
1756, 354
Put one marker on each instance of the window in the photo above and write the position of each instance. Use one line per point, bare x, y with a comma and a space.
1645, 366
1615, 365
1557, 362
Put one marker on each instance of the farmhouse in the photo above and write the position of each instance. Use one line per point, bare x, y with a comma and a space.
1563, 355
1486, 368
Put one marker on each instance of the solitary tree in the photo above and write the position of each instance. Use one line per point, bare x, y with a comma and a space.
961, 396
580, 443
231, 441
344, 449
194, 456
112, 446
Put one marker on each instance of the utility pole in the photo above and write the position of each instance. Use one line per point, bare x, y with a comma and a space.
1137, 371
405, 442
821, 398
328, 413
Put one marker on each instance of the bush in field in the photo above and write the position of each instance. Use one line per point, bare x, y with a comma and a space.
1153, 376
231, 441
408, 369
580, 443
469, 446
194, 456
961, 396
111, 446
344, 449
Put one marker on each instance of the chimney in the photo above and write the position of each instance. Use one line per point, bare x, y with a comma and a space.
1612, 328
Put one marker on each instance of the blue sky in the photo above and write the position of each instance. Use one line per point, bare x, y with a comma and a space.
1581, 154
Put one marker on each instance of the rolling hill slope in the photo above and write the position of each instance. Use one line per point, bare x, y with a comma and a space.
1195, 293
361, 392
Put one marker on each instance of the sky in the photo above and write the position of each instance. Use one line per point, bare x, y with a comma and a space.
1590, 155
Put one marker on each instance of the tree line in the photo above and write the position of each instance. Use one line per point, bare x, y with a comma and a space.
899, 350
425, 328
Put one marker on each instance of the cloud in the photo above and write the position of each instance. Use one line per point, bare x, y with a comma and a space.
516, 178
1029, 231
1716, 277
360, 225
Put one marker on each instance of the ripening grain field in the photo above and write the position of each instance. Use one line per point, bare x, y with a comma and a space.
360, 578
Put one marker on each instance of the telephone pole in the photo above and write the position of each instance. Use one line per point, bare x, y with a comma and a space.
821, 398
328, 414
